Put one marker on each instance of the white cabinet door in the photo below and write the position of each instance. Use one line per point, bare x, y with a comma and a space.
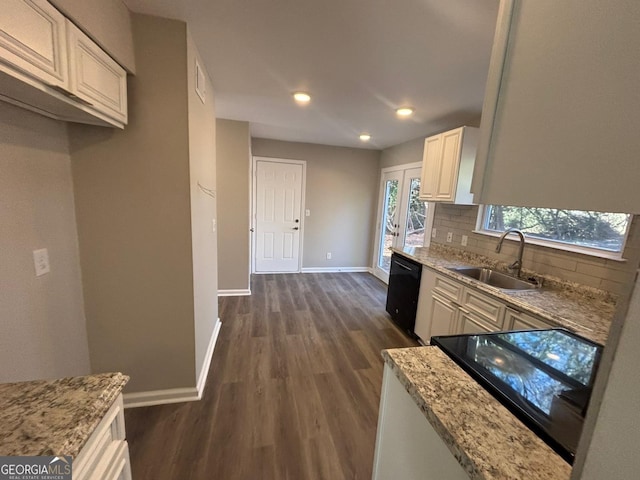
431, 163
560, 118
443, 316
95, 77
449, 164
33, 40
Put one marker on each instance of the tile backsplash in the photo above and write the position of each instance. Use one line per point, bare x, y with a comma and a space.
606, 274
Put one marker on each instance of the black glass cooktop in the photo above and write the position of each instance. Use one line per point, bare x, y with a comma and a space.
544, 377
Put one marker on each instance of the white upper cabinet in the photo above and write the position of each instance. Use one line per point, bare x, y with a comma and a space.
561, 118
447, 166
95, 77
33, 39
47, 65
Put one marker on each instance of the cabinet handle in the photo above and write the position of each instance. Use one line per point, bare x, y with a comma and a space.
72, 96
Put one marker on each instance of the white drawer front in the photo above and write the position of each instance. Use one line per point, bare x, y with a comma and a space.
521, 321
448, 288
490, 310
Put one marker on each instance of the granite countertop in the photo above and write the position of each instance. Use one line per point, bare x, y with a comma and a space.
584, 310
54, 417
486, 439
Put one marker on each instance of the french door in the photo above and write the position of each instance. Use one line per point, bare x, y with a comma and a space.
403, 220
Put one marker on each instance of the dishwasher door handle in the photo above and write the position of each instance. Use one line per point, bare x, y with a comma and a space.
404, 266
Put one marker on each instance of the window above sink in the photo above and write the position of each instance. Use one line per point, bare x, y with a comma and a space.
594, 233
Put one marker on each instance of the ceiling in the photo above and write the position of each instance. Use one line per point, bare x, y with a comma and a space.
359, 59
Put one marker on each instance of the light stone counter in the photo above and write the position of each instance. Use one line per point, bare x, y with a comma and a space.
54, 417
584, 310
484, 437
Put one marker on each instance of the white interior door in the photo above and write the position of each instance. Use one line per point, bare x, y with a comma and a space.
404, 220
278, 220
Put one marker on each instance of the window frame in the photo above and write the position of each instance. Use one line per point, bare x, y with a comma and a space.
557, 245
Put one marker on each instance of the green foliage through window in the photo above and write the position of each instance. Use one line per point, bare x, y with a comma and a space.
604, 231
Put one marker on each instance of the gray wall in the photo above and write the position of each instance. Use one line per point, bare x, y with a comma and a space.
609, 275
43, 324
202, 170
132, 190
612, 436
341, 192
233, 148
407, 152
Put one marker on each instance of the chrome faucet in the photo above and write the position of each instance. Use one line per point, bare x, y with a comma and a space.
517, 265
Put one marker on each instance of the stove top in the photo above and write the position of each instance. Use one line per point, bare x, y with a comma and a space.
544, 377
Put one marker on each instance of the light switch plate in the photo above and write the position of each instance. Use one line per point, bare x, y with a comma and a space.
464, 240
433, 233
307, 213
41, 261
449, 237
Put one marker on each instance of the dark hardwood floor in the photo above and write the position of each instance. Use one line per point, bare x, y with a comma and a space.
293, 389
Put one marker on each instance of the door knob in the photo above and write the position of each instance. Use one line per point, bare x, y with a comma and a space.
296, 228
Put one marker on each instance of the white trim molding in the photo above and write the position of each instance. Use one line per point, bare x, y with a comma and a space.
176, 395
206, 363
234, 292
336, 269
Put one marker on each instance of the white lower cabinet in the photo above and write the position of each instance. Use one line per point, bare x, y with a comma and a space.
437, 305
105, 456
446, 307
407, 446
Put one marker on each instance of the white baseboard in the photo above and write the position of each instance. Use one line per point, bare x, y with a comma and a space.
160, 397
176, 395
238, 292
206, 364
336, 269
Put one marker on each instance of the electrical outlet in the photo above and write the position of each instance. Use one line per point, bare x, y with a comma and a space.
449, 237
41, 261
433, 233
328, 255
464, 240
213, 225
307, 213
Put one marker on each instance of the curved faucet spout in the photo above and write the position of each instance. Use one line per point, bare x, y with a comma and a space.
517, 265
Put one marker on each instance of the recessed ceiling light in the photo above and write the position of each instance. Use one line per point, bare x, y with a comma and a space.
302, 97
365, 137
404, 111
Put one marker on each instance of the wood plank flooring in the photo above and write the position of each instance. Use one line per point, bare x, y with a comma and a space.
293, 389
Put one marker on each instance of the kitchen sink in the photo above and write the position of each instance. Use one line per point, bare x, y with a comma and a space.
495, 278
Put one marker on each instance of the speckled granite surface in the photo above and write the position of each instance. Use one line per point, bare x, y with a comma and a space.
486, 439
54, 417
584, 310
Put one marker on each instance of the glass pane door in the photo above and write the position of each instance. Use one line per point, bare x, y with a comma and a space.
404, 219
389, 222
415, 219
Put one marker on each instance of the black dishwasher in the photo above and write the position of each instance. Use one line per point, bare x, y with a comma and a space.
402, 294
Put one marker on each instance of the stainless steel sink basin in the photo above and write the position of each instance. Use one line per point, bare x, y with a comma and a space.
495, 278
